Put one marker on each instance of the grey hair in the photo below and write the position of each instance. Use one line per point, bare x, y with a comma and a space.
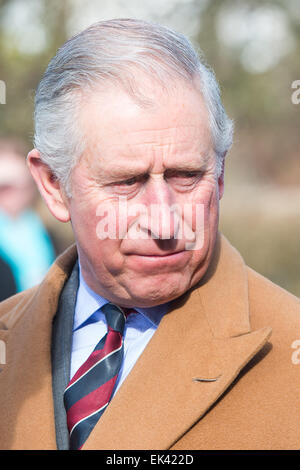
112, 51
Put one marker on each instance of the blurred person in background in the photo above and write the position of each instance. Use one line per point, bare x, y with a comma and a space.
25, 245
7, 281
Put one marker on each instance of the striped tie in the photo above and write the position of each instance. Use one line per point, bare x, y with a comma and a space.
89, 391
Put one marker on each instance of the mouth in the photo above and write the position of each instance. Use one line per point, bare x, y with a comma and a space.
158, 255
174, 260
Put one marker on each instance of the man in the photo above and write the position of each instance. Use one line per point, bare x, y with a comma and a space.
130, 143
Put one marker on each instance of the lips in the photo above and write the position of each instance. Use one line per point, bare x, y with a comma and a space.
157, 254
154, 262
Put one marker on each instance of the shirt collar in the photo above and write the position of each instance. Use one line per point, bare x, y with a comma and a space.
88, 302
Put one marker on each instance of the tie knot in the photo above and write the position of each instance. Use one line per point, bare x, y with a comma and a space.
128, 311
115, 317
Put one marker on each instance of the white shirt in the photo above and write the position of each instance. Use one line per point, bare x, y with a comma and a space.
90, 326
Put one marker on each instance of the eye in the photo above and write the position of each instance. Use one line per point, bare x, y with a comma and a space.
190, 174
128, 185
185, 178
129, 182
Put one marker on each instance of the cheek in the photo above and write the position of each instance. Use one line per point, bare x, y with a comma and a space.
205, 225
84, 223
204, 204
111, 221
96, 228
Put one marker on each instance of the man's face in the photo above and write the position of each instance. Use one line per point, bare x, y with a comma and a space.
140, 160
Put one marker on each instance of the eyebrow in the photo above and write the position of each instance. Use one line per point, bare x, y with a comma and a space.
189, 166
120, 173
127, 174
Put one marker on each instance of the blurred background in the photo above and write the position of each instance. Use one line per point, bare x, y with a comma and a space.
254, 48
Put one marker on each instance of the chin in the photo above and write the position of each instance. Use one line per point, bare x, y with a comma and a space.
154, 292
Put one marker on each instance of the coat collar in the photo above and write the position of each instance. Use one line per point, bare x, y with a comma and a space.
197, 351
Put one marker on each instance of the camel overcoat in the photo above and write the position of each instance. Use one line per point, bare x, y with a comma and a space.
222, 371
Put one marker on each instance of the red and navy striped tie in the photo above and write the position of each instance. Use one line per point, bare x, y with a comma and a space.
89, 391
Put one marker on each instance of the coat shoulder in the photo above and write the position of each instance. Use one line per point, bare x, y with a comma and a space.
271, 304
10, 308
45, 293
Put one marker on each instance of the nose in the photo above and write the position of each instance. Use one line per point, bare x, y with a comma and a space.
162, 220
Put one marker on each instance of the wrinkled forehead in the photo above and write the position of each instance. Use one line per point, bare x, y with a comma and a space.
112, 118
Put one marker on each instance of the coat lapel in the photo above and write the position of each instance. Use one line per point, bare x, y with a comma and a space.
200, 347
26, 406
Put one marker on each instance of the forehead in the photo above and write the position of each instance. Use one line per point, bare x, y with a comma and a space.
117, 127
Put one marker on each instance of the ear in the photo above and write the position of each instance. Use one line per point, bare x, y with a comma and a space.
221, 179
49, 188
